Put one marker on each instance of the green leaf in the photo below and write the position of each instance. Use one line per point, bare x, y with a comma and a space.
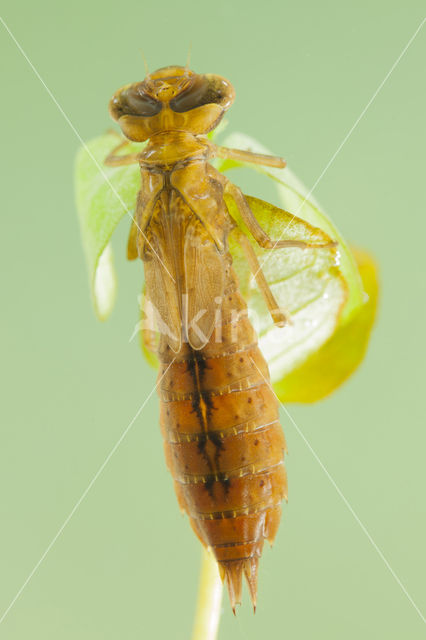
104, 195
294, 198
327, 363
321, 288
307, 283
338, 358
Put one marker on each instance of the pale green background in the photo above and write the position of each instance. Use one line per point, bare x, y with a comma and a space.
126, 564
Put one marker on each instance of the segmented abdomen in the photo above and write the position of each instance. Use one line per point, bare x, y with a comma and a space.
223, 442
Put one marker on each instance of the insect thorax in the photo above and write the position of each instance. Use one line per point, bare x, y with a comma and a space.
169, 148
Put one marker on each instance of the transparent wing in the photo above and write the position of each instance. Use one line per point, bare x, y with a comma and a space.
204, 283
162, 279
185, 273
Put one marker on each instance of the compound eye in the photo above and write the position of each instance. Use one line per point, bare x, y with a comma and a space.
133, 101
195, 96
205, 89
143, 105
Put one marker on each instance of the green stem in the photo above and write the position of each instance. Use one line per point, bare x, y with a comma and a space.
207, 614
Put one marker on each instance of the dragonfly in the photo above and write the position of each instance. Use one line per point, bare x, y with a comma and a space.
223, 441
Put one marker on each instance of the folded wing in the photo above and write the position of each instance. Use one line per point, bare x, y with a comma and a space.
184, 271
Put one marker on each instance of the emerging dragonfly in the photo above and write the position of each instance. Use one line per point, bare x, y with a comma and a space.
219, 416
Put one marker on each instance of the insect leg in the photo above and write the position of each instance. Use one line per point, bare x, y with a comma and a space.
247, 156
259, 234
279, 315
132, 249
113, 160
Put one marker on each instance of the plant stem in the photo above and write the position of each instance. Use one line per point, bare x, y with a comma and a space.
207, 614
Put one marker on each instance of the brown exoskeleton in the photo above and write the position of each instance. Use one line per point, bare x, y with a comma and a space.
223, 441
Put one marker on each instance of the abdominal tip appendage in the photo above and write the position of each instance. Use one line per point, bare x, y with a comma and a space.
233, 574
250, 571
233, 579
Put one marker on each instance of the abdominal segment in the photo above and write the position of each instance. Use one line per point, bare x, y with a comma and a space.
223, 442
